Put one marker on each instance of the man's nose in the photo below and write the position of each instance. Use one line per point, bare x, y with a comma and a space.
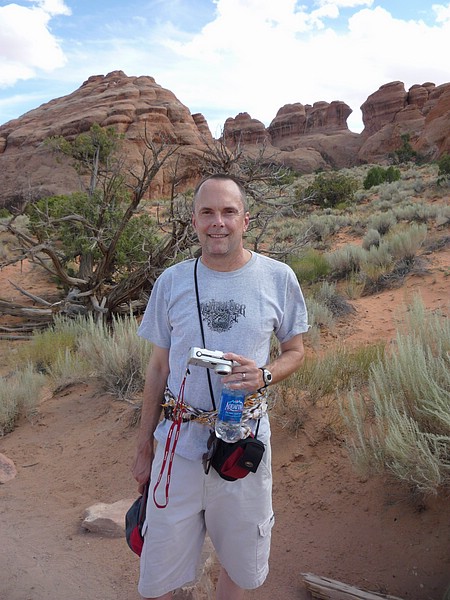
218, 220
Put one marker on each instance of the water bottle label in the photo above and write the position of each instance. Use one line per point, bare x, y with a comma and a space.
231, 409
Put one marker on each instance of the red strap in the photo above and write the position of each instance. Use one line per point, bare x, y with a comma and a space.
175, 427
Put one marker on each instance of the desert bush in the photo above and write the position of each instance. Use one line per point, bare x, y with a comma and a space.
393, 193
353, 288
320, 227
416, 212
405, 153
331, 189
19, 396
405, 243
403, 428
74, 350
377, 256
309, 266
117, 355
382, 222
319, 315
345, 261
444, 170
372, 238
337, 371
68, 368
377, 175
385, 265
327, 294
289, 229
45, 346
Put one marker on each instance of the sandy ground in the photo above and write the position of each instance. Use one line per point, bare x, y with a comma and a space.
329, 520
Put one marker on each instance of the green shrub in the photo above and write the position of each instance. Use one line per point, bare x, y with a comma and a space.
309, 266
444, 164
45, 346
338, 371
404, 427
377, 175
405, 153
444, 169
331, 189
19, 396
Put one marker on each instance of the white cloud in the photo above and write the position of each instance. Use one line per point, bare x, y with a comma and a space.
442, 13
255, 56
26, 43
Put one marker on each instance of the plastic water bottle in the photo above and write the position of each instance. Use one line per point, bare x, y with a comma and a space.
228, 422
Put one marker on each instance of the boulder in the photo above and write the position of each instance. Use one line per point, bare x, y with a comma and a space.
107, 519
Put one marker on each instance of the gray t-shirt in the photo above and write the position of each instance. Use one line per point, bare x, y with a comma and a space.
240, 310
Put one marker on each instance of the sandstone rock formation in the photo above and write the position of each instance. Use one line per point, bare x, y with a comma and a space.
423, 113
130, 104
302, 137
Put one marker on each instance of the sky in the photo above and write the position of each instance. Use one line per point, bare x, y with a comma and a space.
223, 57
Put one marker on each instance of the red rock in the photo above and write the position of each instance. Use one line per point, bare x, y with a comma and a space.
423, 113
302, 137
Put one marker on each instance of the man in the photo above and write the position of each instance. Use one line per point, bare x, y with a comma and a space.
244, 298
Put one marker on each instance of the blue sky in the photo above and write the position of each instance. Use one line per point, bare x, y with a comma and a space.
223, 57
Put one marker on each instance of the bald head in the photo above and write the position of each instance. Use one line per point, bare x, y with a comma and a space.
225, 178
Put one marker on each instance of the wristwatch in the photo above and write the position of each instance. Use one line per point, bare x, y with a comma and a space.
267, 376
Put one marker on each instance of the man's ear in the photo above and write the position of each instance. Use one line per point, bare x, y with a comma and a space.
246, 221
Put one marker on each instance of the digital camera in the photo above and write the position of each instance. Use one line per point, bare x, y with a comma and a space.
212, 359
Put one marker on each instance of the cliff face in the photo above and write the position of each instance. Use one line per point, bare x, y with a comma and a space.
302, 137
133, 105
423, 113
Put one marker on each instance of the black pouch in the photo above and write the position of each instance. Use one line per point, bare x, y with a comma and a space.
134, 521
233, 461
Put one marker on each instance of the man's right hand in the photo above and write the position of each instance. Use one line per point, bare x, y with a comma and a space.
142, 464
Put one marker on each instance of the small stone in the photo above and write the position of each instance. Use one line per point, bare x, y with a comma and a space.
7, 469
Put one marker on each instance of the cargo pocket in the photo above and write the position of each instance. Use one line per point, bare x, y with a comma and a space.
264, 535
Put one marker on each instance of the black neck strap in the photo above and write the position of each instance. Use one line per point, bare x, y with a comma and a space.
203, 339
202, 330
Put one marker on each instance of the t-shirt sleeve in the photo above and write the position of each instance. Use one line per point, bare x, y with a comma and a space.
155, 325
295, 315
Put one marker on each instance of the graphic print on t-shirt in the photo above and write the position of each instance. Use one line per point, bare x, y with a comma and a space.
221, 315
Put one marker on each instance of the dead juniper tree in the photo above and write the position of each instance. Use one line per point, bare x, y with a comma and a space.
100, 245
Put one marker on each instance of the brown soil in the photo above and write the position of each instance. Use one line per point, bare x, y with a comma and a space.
329, 520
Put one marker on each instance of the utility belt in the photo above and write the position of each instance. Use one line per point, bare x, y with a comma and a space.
255, 407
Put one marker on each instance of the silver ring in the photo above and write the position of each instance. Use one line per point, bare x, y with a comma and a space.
243, 375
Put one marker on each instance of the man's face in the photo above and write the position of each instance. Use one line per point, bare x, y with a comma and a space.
219, 219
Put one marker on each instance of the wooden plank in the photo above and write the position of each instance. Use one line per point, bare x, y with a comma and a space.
324, 588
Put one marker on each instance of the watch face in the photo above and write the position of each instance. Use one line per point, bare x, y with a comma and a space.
267, 376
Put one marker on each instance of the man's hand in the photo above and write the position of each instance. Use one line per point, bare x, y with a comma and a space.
245, 376
142, 464
248, 375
